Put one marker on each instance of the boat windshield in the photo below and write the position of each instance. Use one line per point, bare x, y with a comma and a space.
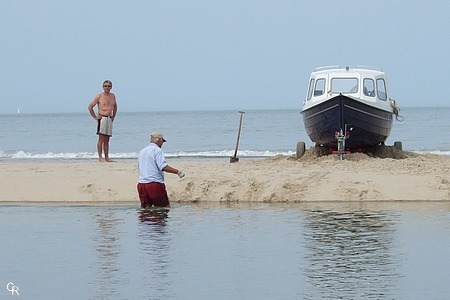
320, 87
381, 89
369, 87
310, 89
344, 85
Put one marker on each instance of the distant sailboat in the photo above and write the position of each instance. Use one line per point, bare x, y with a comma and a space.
18, 110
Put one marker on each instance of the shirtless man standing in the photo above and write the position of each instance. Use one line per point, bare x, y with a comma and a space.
107, 109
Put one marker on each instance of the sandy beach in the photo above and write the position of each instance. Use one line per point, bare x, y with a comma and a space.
276, 179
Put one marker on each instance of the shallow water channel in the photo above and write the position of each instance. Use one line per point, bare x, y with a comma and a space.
226, 251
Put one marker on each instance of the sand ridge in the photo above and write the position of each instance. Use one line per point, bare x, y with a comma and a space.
359, 177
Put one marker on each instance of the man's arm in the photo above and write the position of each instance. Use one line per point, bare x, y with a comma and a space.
169, 169
91, 107
114, 109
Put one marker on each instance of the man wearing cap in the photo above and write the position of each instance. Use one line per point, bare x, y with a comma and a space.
152, 165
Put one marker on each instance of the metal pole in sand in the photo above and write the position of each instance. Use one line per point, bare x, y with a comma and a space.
234, 158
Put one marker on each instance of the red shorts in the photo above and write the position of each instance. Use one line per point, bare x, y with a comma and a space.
153, 193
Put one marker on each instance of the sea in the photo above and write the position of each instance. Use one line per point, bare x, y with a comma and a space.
302, 250
196, 134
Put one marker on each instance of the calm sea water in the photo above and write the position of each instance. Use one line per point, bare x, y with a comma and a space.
226, 251
196, 134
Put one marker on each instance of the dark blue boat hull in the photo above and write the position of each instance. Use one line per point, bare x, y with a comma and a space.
371, 126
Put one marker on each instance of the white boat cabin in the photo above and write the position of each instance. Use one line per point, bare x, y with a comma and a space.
367, 84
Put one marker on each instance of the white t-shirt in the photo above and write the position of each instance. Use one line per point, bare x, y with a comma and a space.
151, 162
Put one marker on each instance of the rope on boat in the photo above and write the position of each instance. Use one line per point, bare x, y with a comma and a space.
396, 110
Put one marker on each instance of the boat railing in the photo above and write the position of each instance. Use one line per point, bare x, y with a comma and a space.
333, 67
369, 68
327, 68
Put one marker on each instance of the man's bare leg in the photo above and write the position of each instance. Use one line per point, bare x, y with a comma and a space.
106, 148
100, 148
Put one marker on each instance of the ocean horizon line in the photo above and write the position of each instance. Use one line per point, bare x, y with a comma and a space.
195, 110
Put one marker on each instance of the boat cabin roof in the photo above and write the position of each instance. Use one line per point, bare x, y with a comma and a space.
348, 71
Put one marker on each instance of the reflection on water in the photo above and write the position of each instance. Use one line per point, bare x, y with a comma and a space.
350, 254
154, 244
107, 248
154, 216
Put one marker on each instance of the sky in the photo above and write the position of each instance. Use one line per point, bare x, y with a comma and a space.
202, 55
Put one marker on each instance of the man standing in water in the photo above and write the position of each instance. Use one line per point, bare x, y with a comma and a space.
152, 165
107, 109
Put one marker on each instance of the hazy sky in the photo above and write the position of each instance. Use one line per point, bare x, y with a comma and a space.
213, 55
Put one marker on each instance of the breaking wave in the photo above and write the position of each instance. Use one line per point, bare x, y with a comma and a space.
22, 155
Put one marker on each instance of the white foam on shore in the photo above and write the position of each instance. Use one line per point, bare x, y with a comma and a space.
22, 155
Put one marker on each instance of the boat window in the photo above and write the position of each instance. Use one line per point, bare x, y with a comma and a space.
310, 88
369, 87
381, 89
320, 87
344, 85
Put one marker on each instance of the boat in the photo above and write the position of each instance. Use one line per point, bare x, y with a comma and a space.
347, 109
